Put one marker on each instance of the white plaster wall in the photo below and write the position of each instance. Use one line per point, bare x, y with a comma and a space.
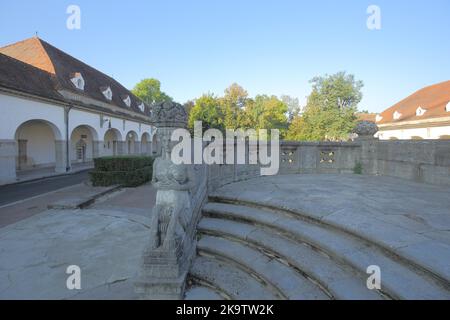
14, 111
40, 144
407, 134
83, 118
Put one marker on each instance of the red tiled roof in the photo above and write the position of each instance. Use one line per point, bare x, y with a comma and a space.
62, 66
17, 75
433, 99
366, 116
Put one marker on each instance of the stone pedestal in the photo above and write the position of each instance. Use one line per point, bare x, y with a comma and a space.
8, 150
366, 131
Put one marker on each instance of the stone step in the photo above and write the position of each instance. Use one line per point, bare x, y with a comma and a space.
202, 293
339, 281
421, 241
232, 281
399, 280
291, 284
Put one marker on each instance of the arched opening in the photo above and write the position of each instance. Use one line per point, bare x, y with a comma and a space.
131, 143
155, 145
145, 143
444, 137
82, 142
39, 145
112, 143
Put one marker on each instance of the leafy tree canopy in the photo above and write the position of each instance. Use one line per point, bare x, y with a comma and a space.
149, 90
330, 110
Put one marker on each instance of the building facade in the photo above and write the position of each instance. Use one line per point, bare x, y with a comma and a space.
423, 115
57, 113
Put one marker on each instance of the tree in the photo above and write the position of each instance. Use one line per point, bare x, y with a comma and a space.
149, 91
207, 110
233, 103
266, 112
330, 110
293, 106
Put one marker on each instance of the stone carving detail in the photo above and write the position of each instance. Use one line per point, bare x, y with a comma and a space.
326, 156
172, 212
366, 128
287, 156
169, 114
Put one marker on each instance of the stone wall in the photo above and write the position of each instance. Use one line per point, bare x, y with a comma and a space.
426, 161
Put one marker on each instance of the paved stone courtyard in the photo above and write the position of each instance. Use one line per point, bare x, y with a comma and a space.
107, 240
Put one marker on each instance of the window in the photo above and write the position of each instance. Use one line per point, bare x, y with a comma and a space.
397, 115
78, 81
378, 118
420, 111
127, 101
447, 108
142, 107
107, 92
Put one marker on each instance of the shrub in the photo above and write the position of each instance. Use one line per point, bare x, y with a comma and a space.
128, 171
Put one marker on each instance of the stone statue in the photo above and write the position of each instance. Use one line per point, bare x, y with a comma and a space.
172, 212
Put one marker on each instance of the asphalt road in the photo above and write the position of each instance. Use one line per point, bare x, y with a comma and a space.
25, 190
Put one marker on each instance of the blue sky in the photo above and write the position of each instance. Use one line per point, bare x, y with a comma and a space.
272, 47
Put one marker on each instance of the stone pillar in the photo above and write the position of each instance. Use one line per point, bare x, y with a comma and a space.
171, 248
8, 151
366, 131
61, 157
137, 147
121, 147
149, 149
96, 147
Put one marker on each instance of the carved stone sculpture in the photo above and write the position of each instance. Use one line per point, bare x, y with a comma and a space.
366, 129
172, 211
171, 243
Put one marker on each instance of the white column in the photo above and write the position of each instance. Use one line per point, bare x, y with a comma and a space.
8, 150
60, 156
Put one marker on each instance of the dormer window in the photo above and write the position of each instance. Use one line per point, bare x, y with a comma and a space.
397, 115
141, 107
420, 111
447, 108
378, 118
107, 92
127, 100
77, 80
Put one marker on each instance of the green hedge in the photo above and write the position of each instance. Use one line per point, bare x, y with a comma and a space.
122, 163
128, 171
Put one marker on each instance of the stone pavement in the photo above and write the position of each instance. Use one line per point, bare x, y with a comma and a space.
36, 252
73, 196
106, 244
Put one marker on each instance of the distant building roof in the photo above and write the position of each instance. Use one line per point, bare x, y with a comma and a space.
361, 116
429, 102
63, 68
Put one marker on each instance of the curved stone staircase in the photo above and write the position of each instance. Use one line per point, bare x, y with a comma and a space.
247, 251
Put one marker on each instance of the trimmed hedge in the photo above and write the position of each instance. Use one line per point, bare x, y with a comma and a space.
128, 171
